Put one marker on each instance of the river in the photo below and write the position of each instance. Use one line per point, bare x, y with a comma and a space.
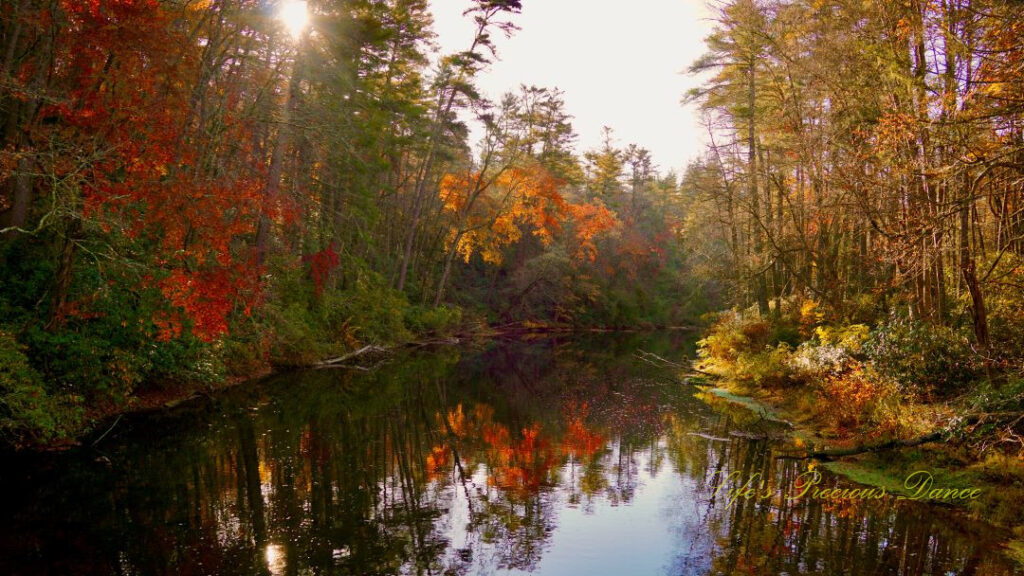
555, 456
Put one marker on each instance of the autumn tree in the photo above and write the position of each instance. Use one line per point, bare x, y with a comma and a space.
863, 157
453, 86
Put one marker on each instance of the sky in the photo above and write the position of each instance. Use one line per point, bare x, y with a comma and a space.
620, 64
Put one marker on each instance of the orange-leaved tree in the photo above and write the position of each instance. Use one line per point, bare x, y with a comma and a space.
490, 211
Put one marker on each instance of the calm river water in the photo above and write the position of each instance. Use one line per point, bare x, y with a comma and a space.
551, 457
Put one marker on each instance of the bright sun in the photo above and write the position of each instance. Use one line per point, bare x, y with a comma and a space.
295, 16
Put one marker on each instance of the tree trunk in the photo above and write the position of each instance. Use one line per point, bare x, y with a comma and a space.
273, 187
21, 198
417, 212
760, 279
63, 276
968, 270
449, 260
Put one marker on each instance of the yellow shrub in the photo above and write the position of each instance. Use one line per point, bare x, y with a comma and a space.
850, 338
810, 317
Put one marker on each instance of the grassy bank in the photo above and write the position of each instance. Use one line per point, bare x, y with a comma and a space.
880, 390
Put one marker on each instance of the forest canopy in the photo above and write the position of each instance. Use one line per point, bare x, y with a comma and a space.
192, 190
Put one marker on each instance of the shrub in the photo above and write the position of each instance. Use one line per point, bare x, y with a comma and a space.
27, 410
1004, 428
857, 397
813, 362
186, 360
373, 313
723, 342
768, 369
298, 335
756, 333
849, 338
732, 335
247, 351
786, 331
922, 358
809, 316
1007, 398
306, 325
440, 320
863, 308
832, 352
745, 347
1006, 328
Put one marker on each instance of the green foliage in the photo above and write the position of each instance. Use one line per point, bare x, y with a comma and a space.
923, 358
115, 350
27, 273
299, 324
1005, 399
83, 362
246, 352
1009, 397
440, 320
101, 353
27, 410
305, 328
186, 360
786, 331
299, 334
374, 313
1006, 326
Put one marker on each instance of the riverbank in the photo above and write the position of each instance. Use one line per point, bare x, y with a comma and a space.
998, 478
102, 417
571, 435
877, 403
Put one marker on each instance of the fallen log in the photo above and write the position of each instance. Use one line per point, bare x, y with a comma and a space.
437, 342
707, 436
887, 445
340, 359
830, 454
968, 420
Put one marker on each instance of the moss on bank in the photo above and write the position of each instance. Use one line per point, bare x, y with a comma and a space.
1000, 477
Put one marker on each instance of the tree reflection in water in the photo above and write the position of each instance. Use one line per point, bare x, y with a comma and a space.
545, 457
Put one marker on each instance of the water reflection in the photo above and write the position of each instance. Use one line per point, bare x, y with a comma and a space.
549, 457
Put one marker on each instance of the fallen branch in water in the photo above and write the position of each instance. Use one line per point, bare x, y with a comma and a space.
652, 358
364, 350
437, 342
104, 435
